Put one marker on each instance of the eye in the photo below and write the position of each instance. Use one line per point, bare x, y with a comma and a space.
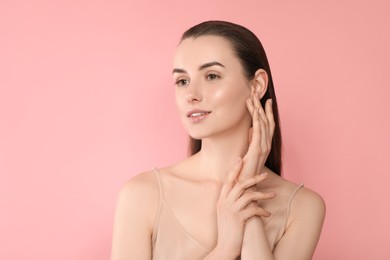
182, 82
212, 76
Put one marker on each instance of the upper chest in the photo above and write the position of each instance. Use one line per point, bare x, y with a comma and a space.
193, 206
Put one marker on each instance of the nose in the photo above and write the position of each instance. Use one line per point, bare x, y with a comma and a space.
192, 98
193, 94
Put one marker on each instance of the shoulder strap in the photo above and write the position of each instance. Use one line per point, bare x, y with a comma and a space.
293, 194
158, 212
158, 177
291, 198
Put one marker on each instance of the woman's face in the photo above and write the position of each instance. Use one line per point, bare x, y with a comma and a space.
211, 89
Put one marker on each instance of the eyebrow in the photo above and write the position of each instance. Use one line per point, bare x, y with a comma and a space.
201, 67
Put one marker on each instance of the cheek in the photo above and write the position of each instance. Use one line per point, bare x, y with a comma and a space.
224, 96
231, 105
232, 97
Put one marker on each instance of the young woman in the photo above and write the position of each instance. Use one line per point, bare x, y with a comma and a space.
226, 200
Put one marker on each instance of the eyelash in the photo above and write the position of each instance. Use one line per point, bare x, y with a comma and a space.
179, 82
209, 76
213, 75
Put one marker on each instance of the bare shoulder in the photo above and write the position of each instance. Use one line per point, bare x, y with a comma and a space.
304, 199
140, 195
140, 184
308, 204
304, 223
134, 217
307, 199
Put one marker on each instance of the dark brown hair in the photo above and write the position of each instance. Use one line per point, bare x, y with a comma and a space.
251, 54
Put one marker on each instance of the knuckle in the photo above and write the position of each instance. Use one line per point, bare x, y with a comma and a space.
240, 185
247, 197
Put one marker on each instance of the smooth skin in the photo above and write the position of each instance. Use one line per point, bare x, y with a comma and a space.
219, 198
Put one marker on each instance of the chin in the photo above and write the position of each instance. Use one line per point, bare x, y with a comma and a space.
197, 136
196, 133
199, 133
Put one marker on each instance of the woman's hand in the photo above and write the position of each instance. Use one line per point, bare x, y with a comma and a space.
260, 136
232, 212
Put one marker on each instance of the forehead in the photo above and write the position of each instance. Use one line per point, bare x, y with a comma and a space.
203, 49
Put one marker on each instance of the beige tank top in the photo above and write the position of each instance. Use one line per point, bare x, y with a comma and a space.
171, 241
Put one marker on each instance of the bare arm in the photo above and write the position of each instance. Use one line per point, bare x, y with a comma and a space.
255, 244
307, 210
134, 217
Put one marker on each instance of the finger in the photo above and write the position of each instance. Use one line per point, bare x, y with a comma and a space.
242, 185
256, 100
260, 107
251, 157
271, 120
264, 138
231, 179
258, 144
250, 132
249, 105
248, 197
265, 142
253, 211
255, 130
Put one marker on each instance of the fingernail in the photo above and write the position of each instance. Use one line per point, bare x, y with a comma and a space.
263, 174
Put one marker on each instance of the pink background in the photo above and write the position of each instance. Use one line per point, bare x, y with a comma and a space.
86, 101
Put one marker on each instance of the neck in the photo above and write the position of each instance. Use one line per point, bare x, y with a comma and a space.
219, 153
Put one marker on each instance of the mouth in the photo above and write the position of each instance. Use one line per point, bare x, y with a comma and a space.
196, 116
197, 113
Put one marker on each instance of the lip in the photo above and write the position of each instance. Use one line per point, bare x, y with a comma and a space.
198, 118
197, 111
